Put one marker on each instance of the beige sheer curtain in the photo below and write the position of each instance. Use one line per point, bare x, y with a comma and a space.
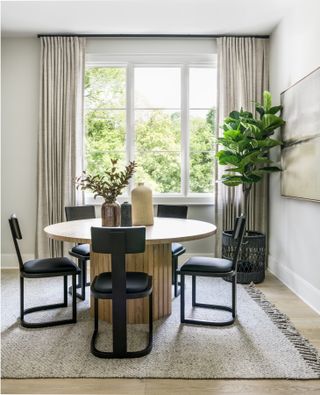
242, 78
60, 133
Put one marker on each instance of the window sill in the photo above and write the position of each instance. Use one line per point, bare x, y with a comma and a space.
204, 200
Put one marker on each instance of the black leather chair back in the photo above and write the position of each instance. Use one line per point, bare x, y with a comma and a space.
74, 213
238, 233
16, 235
125, 240
118, 242
170, 211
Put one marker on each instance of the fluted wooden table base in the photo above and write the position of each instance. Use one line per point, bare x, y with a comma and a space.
156, 261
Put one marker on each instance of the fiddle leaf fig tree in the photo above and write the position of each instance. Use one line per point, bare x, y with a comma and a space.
246, 144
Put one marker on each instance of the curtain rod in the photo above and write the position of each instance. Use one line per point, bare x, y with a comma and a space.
151, 35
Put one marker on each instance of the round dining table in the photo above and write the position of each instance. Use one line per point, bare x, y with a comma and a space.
156, 260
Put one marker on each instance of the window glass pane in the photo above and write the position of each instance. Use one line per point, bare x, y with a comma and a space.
202, 125
157, 87
105, 87
203, 87
201, 172
161, 171
105, 138
157, 130
98, 161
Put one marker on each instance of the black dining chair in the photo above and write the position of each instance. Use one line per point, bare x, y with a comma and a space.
177, 249
212, 267
119, 286
40, 268
81, 251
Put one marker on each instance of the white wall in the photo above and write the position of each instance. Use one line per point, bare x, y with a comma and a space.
19, 106
294, 224
19, 130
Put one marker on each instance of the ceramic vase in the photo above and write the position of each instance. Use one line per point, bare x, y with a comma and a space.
110, 214
126, 214
142, 207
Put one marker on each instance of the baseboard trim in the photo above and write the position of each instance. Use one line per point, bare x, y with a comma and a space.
10, 261
297, 284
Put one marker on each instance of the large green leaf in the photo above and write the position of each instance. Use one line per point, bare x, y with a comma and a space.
267, 101
234, 114
270, 169
234, 135
231, 180
271, 121
227, 158
268, 143
275, 109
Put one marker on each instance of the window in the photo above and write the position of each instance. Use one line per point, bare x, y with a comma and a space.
160, 115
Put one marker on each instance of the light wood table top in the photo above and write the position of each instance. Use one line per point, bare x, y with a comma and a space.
164, 230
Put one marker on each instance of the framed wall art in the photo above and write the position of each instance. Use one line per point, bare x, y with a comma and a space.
300, 153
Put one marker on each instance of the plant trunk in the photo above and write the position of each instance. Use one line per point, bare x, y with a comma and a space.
245, 200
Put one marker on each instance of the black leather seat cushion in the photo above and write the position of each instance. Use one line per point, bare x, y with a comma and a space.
82, 249
50, 266
136, 282
207, 264
177, 248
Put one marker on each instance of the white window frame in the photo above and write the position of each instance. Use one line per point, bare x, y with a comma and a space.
185, 62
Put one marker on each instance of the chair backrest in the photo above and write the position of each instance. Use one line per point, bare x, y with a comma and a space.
170, 211
118, 242
74, 213
16, 235
238, 233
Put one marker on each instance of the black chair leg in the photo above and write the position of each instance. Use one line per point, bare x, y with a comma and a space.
234, 296
119, 326
24, 312
150, 320
21, 299
118, 351
182, 288
74, 299
194, 291
82, 280
65, 290
175, 281
232, 309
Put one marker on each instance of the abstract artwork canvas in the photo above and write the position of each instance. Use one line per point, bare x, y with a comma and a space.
300, 154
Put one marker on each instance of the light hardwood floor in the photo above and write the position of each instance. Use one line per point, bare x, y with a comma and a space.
304, 318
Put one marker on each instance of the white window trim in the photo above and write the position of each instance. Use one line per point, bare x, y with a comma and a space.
185, 62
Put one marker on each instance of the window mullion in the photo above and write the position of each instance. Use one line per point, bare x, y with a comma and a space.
185, 129
130, 140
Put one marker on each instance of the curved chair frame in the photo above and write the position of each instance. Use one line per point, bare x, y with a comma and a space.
118, 242
238, 233
74, 213
171, 211
16, 235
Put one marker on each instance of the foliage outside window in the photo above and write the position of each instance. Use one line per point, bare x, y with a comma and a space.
169, 137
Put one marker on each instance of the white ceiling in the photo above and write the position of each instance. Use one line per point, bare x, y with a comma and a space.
28, 18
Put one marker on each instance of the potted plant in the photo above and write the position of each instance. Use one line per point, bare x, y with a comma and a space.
108, 185
246, 144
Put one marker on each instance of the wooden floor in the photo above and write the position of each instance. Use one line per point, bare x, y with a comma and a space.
304, 318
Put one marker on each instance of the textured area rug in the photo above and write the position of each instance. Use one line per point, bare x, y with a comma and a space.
261, 344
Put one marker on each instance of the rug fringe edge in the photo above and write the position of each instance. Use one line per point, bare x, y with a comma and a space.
307, 351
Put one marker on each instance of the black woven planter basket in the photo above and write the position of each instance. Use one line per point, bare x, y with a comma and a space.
251, 264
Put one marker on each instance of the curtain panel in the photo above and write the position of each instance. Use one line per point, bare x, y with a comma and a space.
243, 75
60, 133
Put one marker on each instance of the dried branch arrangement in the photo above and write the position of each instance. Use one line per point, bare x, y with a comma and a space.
110, 184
